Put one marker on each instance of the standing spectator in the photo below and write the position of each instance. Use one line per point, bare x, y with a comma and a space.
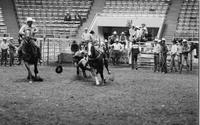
185, 51
132, 32
135, 51
113, 37
123, 39
179, 53
117, 48
156, 51
11, 51
173, 54
4, 51
163, 55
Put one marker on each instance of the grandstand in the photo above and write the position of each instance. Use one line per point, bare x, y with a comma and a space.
188, 20
3, 27
49, 15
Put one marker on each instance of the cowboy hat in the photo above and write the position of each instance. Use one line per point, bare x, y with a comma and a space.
156, 40
122, 33
115, 32
163, 39
4, 38
184, 40
30, 19
105, 40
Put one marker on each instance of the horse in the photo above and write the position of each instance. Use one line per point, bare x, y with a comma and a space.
80, 61
29, 53
96, 62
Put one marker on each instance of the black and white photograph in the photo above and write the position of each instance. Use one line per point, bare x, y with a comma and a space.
99, 62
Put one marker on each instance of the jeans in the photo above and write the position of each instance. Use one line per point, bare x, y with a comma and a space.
173, 63
4, 56
156, 62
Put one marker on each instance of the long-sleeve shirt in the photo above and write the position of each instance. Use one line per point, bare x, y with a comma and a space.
25, 28
179, 49
4, 45
174, 49
86, 36
156, 49
117, 46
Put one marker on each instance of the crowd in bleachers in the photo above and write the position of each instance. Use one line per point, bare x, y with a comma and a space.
3, 27
135, 7
188, 20
50, 15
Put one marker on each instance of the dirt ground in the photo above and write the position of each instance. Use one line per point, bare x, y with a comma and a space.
133, 98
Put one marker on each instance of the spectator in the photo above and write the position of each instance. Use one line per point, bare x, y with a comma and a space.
163, 56
179, 53
78, 17
67, 17
113, 37
173, 54
11, 51
117, 48
4, 51
135, 51
123, 39
132, 32
156, 51
185, 51
143, 32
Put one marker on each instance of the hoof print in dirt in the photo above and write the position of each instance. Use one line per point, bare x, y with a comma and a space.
36, 79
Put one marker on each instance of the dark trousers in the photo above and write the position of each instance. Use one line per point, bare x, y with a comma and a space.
4, 56
116, 56
164, 63
156, 62
173, 63
11, 55
134, 61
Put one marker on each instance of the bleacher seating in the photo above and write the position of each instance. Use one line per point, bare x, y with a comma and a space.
3, 28
49, 14
136, 7
188, 20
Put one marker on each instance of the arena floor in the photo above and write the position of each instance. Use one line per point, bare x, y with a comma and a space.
133, 98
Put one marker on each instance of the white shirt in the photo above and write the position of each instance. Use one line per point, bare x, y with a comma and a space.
132, 32
174, 49
4, 45
156, 48
86, 36
117, 46
25, 28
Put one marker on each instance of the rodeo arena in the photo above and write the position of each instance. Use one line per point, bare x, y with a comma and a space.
99, 62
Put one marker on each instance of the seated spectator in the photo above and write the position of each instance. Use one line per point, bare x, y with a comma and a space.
78, 17
67, 17
123, 39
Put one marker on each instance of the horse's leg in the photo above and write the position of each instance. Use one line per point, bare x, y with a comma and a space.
35, 70
106, 65
77, 70
95, 76
29, 71
102, 77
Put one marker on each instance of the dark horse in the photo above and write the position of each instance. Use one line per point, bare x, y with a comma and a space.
29, 53
95, 64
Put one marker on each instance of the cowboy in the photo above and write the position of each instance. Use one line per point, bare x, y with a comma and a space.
12, 49
135, 51
173, 54
113, 37
156, 51
86, 36
179, 53
163, 54
4, 51
185, 51
117, 48
24, 33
